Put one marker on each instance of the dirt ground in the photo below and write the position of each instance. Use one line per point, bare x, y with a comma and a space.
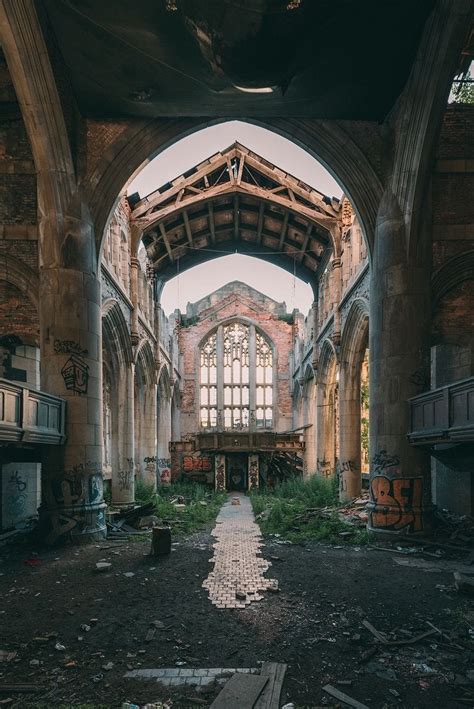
314, 624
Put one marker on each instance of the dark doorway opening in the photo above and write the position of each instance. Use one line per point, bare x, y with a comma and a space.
237, 470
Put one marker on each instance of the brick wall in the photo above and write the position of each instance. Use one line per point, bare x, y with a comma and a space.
18, 316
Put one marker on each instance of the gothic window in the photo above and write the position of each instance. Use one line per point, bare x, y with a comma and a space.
107, 418
236, 373
264, 383
209, 383
236, 376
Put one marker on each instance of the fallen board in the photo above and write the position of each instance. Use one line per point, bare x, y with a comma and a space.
240, 692
270, 697
344, 698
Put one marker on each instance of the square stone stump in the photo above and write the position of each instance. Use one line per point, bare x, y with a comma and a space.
160, 541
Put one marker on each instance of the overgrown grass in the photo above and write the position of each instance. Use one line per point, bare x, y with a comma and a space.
201, 504
284, 511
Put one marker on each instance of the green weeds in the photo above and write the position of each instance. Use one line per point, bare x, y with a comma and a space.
201, 504
302, 509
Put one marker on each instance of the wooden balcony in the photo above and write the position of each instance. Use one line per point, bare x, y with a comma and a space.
245, 442
444, 415
30, 416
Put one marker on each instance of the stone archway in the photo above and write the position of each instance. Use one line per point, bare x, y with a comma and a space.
117, 400
327, 411
145, 413
354, 343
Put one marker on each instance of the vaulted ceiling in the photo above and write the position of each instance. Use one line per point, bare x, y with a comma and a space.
236, 201
321, 58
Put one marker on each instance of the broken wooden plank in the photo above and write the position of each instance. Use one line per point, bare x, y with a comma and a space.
20, 688
240, 692
415, 639
342, 697
270, 697
381, 638
150, 635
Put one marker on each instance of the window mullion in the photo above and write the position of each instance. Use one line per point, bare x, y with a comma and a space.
252, 377
220, 377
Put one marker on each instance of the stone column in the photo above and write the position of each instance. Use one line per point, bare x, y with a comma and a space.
71, 366
220, 473
336, 286
134, 269
349, 433
400, 319
315, 314
123, 479
150, 443
253, 472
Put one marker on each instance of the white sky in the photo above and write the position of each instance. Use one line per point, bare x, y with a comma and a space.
205, 278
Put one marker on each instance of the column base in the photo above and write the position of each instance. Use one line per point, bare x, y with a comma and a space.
74, 524
397, 506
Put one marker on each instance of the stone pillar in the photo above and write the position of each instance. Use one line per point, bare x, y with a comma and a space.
134, 269
123, 479
253, 472
349, 433
220, 473
315, 357
336, 287
71, 353
150, 439
400, 483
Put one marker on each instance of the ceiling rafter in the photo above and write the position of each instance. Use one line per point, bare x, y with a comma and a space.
166, 242
237, 196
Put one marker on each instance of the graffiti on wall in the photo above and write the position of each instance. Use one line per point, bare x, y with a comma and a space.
197, 463
220, 482
253, 472
75, 371
323, 468
383, 462
396, 503
75, 502
16, 495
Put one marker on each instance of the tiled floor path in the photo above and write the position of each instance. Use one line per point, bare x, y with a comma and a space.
237, 578
170, 676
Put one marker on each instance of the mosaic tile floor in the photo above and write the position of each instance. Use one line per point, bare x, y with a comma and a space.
238, 575
170, 676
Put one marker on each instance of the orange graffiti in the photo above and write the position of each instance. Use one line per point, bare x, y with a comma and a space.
396, 504
191, 464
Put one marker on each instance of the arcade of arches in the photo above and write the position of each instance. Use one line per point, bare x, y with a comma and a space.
99, 388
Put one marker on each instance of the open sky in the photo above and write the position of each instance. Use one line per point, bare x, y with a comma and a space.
205, 278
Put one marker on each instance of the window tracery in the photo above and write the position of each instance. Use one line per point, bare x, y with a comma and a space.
236, 379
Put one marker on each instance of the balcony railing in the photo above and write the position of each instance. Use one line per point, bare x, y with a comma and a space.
30, 416
443, 415
261, 441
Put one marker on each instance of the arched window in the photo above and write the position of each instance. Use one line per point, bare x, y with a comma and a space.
236, 372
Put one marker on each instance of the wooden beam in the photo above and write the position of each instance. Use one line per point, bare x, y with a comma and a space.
231, 171
260, 221
146, 204
236, 217
284, 227
306, 241
212, 224
187, 228
241, 169
166, 241
311, 213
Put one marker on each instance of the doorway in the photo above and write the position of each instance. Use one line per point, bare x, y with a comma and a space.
237, 472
